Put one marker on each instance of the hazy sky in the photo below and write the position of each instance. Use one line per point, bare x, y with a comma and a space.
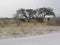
8, 7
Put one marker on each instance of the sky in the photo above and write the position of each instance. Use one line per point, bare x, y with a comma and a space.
8, 7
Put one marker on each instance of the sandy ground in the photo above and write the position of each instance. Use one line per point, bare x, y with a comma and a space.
21, 31
46, 39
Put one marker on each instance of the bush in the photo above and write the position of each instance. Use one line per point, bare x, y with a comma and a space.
41, 19
54, 21
17, 20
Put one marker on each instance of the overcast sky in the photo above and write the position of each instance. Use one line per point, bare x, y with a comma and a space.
8, 7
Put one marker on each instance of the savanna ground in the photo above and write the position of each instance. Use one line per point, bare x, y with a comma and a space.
27, 29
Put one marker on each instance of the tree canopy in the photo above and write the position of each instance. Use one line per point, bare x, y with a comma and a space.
37, 13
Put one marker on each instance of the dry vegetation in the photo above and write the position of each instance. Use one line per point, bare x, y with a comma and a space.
33, 23
9, 28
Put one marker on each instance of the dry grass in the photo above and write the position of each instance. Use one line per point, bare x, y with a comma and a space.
25, 28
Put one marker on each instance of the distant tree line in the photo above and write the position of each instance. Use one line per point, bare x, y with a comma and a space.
28, 14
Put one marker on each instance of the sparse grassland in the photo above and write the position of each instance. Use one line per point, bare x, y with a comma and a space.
26, 29
9, 28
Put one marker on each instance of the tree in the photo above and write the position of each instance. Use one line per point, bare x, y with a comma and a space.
42, 12
39, 13
22, 12
46, 11
29, 13
34, 14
